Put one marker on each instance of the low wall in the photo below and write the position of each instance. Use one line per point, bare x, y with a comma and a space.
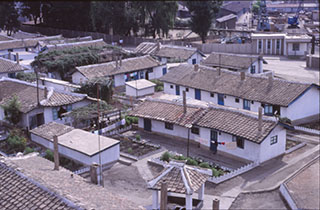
307, 130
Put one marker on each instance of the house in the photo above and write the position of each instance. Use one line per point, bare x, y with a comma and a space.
143, 67
227, 22
139, 88
10, 68
88, 43
289, 99
38, 186
50, 106
291, 7
236, 62
281, 44
58, 84
170, 53
78, 145
258, 138
235, 7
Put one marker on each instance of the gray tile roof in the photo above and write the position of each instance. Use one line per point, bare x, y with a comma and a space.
51, 129
27, 95
229, 120
90, 43
179, 178
74, 188
108, 69
236, 6
226, 18
228, 60
20, 192
8, 66
255, 88
146, 48
5, 38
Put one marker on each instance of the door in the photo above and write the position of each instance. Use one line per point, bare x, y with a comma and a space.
147, 124
220, 99
147, 75
40, 119
177, 90
197, 94
164, 71
213, 140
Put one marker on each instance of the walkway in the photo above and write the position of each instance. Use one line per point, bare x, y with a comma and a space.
180, 146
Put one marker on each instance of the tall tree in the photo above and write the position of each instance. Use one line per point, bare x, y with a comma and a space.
12, 110
9, 17
202, 13
32, 9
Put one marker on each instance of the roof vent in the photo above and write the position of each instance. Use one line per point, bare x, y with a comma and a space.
242, 75
196, 67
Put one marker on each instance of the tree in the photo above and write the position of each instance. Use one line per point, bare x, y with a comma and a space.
256, 7
12, 110
9, 17
202, 13
32, 9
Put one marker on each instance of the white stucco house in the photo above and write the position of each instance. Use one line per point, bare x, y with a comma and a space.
170, 53
139, 88
256, 137
9, 68
78, 145
50, 106
289, 99
236, 62
143, 67
58, 84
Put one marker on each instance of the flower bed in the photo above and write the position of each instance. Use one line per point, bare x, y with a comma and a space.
216, 170
290, 144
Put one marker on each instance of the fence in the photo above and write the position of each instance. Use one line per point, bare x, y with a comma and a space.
86, 169
117, 131
225, 48
307, 130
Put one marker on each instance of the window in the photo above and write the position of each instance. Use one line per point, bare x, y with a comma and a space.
171, 86
141, 75
239, 140
12, 75
253, 69
187, 89
164, 71
213, 135
168, 126
69, 108
278, 44
269, 44
150, 70
237, 100
246, 104
54, 113
194, 61
211, 95
252, 102
220, 99
260, 44
195, 130
268, 109
295, 46
273, 140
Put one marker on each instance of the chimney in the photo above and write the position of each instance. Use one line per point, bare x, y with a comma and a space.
94, 173
260, 120
120, 63
242, 75
158, 45
17, 58
9, 55
55, 153
270, 79
196, 67
45, 92
117, 62
184, 102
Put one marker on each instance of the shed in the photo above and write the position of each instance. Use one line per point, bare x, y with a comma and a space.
76, 144
138, 88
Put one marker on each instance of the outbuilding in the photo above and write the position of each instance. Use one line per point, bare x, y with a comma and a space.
138, 88
78, 145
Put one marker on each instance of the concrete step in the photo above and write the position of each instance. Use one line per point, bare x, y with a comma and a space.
125, 161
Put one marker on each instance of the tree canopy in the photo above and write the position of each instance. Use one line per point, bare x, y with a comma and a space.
9, 17
12, 110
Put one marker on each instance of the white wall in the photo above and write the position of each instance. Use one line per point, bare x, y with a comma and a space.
107, 156
256, 64
196, 56
306, 105
78, 78
157, 72
130, 91
57, 86
302, 49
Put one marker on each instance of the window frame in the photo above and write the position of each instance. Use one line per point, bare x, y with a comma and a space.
267, 108
278, 44
187, 89
295, 46
171, 86
195, 130
260, 44
239, 140
246, 104
237, 100
212, 95
253, 69
55, 114
268, 44
273, 139
168, 126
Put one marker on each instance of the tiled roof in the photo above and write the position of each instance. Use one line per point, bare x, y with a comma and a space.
168, 112
27, 95
256, 88
8, 66
20, 192
225, 18
5, 38
74, 188
236, 6
228, 60
128, 65
51, 129
228, 120
91, 43
179, 178
167, 51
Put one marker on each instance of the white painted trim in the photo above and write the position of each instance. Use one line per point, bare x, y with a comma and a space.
154, 181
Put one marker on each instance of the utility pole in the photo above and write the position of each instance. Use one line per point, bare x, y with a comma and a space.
100, 166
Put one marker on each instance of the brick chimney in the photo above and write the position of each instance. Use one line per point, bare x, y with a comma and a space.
260, 120
45, 92
120, 63
17, 58
117, 62
242, 75
94, 173
196, 67
184, 102
9, 55
55, 153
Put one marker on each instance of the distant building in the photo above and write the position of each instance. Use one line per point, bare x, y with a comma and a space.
227, 22
235, 7
291, 7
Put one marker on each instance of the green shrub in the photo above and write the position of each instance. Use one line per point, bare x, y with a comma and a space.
28, 150
165, 156
16, 142
138, 137
131, 120
217, 172
192, 162
49, 155
179, 157
129, 150
285, 120
204, 165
